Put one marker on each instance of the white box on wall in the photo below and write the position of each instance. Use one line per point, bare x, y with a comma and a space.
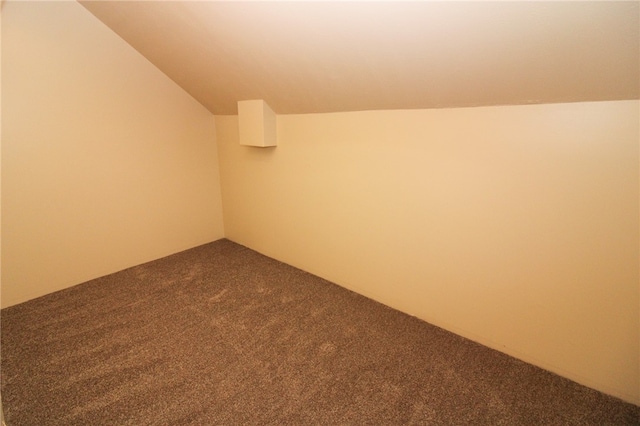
257, 124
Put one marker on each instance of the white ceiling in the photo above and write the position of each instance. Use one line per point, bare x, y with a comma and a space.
303, 57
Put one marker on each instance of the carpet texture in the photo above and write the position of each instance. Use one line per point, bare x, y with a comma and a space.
221, 335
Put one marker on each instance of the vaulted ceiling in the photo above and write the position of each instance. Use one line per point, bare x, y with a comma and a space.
303, 57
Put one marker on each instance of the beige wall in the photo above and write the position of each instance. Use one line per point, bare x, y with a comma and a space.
515, 226
106, 163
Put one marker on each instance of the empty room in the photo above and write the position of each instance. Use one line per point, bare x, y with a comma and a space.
384, 213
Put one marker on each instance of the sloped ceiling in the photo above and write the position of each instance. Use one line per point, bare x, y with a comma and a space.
303, 57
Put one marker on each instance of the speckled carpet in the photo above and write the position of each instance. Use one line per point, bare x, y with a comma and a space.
221, 335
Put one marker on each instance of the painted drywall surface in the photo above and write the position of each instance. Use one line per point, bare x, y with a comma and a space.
515, 226
106, 163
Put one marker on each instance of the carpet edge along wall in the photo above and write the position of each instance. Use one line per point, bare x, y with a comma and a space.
220, 334
516, 226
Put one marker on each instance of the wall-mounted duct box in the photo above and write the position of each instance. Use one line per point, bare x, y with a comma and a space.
257, 124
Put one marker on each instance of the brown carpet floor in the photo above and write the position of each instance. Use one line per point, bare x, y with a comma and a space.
221, 335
